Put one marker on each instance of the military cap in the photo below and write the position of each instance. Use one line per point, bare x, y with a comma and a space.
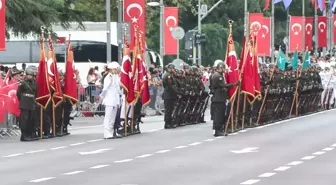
30, 71
170, 65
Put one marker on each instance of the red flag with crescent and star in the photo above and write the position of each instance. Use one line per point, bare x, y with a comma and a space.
54, 79
295, 33
322, 31
256, 22
143, 77
135, 13
126, 78
70, 78
2, 25
231, 61
264, 37
43, 90
171, 21
247, 83
309, 32
334, 28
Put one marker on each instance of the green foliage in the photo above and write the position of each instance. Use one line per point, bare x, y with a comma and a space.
26, 16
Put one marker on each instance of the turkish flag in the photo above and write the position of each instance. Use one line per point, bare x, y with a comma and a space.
70, 78
135, 13
126, 78
322, 31
247, 83
231, 61
264, 37
170, 22
257, 85
334, 30
2, 25
145, 96
309, 32
256, 22
12, 101
43, 91
54, 79
295, 33
3, 109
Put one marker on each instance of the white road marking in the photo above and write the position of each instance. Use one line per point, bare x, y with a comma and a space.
252, 181
282, 168
35, 151
179, 147
57, 148
76, 144
328, 149
144, 156
154, 130
123, 161
208, 140
318, 153
194, 144
308, 157
73, 173
162, 151
99, 166
95, 151
245, 150
13, 155
219, 137
267, 175
42, 179
294, 163
236, 133
242, 131
94, 140
334, 145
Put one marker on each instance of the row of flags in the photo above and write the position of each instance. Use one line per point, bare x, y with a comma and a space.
48, 80
133, 77
301, 31
321, 4
247, 71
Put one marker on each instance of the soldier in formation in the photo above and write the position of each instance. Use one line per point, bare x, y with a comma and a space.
185, 98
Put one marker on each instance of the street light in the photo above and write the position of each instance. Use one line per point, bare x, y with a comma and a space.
155, 3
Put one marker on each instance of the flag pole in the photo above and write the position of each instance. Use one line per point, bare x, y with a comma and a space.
316, 29
41, 108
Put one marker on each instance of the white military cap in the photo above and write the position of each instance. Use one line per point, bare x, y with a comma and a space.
113, 65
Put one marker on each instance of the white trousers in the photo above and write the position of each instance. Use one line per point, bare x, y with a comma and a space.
322, 96
109, 120
129, 108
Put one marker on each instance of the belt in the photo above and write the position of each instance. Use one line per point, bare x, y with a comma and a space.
29, 95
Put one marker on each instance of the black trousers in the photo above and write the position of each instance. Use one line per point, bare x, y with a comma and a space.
169, 107
220, 116
47, 119
27, 124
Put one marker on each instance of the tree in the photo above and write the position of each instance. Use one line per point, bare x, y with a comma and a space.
26, 16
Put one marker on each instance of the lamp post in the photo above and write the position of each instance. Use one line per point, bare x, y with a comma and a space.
108, 31
155, 3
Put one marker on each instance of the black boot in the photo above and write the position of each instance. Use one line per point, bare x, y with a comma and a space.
218, 133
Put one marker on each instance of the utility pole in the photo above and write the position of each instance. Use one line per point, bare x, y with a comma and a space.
120, 31
108, 31
161, 30
272, 34
316, 29
247, 29
199, 50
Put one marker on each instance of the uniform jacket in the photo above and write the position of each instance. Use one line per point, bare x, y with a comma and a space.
219, 88
112, 91
170, 87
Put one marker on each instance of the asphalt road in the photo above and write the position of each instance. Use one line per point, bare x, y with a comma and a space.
297, 151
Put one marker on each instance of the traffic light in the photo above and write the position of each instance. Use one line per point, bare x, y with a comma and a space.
200, 38
189, 43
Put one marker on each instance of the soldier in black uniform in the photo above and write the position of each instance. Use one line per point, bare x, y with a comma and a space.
219, 88
26, 94
170, 95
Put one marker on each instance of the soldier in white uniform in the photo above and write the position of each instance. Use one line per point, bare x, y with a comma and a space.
111, 99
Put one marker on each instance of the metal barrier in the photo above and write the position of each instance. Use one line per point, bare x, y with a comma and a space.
90, 105
9, 127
